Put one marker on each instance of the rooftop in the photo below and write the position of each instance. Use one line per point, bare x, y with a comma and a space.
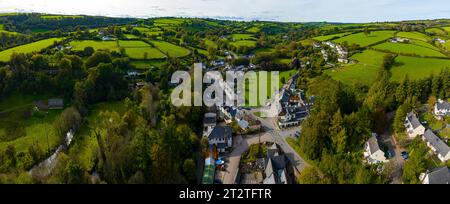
436, 143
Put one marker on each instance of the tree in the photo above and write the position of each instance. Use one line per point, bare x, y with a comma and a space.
88, 51
97, 58
35, 152
69, 120
75, 173
189, 170
311, 175
338, 133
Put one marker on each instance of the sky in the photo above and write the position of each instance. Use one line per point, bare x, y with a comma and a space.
351, 11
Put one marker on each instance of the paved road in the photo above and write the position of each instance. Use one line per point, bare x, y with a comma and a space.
389, 140
240, 146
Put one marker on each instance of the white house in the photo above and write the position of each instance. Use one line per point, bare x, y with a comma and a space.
441, 109
221, 137
372, 151
413, 126
437, 145
437, 176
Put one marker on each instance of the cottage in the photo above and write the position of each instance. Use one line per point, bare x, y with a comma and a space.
56, 103
437, 145
441, 109
373, 152
436, 176
209, 122
275, 167
40, 106
221, 137
413, 126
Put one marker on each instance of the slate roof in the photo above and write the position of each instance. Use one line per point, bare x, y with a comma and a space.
439, 176
441, 148
55, 102
220, 132
443, 105
373, 144
412, 118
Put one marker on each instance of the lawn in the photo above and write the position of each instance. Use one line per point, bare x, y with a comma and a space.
414, 36
417, 68
405, 48
97, 45
432, 122
329, 37
20, 130
364, 71
171, 49
28, 48
363, 40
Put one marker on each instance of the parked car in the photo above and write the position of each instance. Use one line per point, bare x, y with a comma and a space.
297, 134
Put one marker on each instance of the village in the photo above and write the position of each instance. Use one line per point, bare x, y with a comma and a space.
247, 148
376, 151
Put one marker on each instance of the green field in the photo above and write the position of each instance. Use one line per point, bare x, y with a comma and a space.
2, 27
168, 21
171, 49
253, 29
436, 31
424, 44
139, 53
448, 30
363, 40
414, 36
329, 37
210, 43
136, 50
239, 37
417, 68
97, 45
402, 48
244, 43
364, 71
23, 131
130, 36
28, 48
53, 17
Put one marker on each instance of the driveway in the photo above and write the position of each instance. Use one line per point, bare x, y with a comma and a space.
241, 145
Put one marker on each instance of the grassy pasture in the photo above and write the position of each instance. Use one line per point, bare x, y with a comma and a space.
436, 31
414, 36
363, 40
97, 45
169, 21
242, 43
59, 17
22, 131
136, 49
364, 71
329, 37
210, 43
404, 48
171, 49
28, 48
417, 68
239, 37
253, 29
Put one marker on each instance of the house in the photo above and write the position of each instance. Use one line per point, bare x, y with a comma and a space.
442, 41
55, 103
275, 167
372, 151
441, 109
399, 40
107, 38
413, 126
221, 137
436, 176
40, 105
437, 145
209, 122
